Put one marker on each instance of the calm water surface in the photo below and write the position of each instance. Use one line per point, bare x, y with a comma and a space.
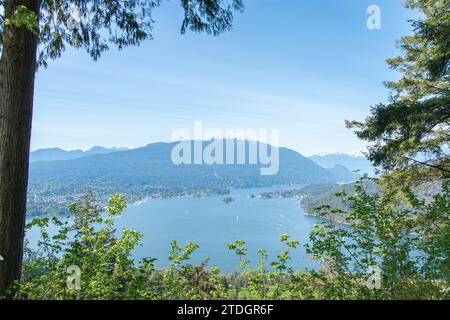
212, 224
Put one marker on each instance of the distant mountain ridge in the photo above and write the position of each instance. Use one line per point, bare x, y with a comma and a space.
155, 166
351, 163
145, 171
54, 154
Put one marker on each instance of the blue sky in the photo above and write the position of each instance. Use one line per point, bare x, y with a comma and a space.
298, 66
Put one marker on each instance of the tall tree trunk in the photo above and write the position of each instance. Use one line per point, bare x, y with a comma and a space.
17, 70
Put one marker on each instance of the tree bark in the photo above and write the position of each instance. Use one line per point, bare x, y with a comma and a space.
17, 72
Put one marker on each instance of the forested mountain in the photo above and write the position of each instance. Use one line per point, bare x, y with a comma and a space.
149, 171
318, 195
342, 174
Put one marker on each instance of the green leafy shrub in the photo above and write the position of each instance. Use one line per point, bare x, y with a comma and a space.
407, 241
